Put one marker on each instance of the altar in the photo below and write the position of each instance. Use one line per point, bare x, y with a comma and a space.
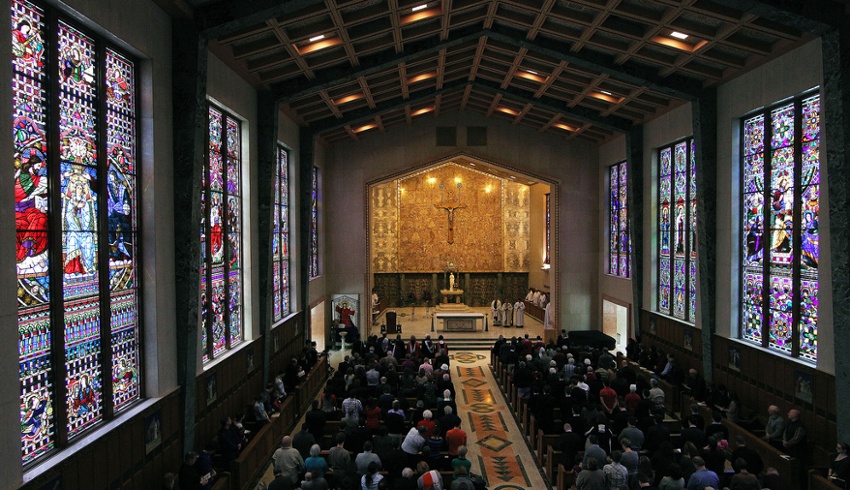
460, 321
451, 301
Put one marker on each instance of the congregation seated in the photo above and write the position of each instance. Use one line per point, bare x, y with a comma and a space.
586, 406
387, 410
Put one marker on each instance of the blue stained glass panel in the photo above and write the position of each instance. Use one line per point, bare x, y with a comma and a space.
664, 286
234, 292
811, 118
665, 160
692, 286
780, 331
125, 349
782, 122
83, 377
752, 328
754, 135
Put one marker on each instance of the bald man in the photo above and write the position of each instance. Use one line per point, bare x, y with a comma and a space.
774, 428
288, 461
794, 435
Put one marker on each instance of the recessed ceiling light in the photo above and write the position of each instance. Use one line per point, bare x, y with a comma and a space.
508, 110
605, 92
349, 98
513, 177
424, 110
679, 35
532, 72
365, 127
471, 164
419, 7
317, 38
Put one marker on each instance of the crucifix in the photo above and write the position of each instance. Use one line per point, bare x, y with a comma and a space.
450, 205
451, 211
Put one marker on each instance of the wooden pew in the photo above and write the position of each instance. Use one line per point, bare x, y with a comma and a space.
531, 432
534, 311
817, 481
789, 468
246, 468
566, 479
543, 442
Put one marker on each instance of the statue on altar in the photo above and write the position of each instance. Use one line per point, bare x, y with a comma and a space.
452, 281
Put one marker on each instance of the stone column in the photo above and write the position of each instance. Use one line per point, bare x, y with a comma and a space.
189, 78
267, 126
634, 156
705, 140
307, 146
836, 122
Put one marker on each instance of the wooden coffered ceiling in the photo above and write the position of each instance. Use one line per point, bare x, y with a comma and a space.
584, 69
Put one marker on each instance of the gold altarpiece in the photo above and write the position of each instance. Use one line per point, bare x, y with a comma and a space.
409, 222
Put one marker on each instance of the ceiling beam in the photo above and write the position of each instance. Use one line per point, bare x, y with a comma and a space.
224, 17
551, 104
370, 65
677, 86
519, 96
362, 114
815, 16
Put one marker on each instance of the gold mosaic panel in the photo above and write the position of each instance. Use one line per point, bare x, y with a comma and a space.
384, 224
515, 210
423, 228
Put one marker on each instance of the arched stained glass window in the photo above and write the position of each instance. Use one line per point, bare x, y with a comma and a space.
314, 225
780, 184
677, 244
75, 147
280, 237
221, 237
619, 240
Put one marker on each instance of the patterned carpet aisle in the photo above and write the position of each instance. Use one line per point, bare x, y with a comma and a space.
496, 446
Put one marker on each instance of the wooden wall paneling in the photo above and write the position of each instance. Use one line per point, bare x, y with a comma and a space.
149, 475
104, 459
71, 471
117, 464
137, 446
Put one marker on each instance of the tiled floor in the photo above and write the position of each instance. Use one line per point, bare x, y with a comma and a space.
496, 447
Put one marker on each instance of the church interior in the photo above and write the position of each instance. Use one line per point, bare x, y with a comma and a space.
204, 186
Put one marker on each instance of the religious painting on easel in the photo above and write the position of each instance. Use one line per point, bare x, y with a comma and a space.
345, 309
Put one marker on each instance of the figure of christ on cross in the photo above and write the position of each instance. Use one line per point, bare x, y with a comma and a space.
451, 211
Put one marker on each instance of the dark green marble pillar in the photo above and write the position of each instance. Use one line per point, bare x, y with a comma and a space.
189, 78
836, 123
267, 124
634, 155
705, 140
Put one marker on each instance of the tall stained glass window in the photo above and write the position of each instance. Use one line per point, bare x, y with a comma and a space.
75, 146
221, 237
677, 231
314, 226
780, 246
280, 237
548, 227
619, 241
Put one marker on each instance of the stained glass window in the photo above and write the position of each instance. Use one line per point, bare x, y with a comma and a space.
221, 237
314, 226
90, 152
280, 237
677, 246
780, 246
619, 239
548, 227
